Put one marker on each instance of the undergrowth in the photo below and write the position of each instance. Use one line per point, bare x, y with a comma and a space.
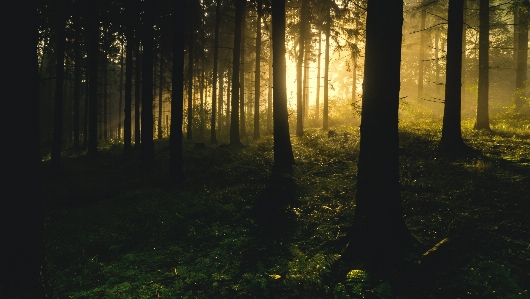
112, 231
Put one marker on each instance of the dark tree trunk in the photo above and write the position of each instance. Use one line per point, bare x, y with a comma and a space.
305, 84
220, 101
269, 95
137, 99
234, 117
326, 73
59, 84
160, 89
128, 86
189, 134
213, 133
176, 162
283, 151
319, 58
257, 73
483, 61
379, 224
93, 52
147, 155
464, 30
105, 91
451, 130
21, 220
228, 97
85, 116
242, 121
299, 64
121, 93
77, 82
522, 55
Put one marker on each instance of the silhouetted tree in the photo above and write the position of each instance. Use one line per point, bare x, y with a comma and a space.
213, 134
242, 120
283, 151
177, 93
129, 35
234, 118
325, 121
299, 64
523, 12
137, 95
483, 61
257, 73
93, 52
147, 156
451, 130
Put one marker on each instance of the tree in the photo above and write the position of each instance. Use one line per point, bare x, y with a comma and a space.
59, 84
234, 118
189, 134
160, 89
242, 121
327, 27
451, 130
213, 135
379, 229
21, 219
137, 93
299, 64
283, 151
77, 78
93, 45
129, 35
176, 162
483, 61
523, 12
147, 155
423, 38
258, 70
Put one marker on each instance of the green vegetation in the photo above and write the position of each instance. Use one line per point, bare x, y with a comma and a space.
235, 230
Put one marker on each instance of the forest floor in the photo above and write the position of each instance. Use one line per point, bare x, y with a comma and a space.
112, 231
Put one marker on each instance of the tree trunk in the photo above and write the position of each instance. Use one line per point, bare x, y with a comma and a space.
121, 92
105, 90
436, 61
59, 84
379, 224
77, 82
305, 83
137, 100
464, 34
93, 52
128, 85
189, 135
319, 58
257, 73
176, 161
147, 155
423, 38
228, 97
283, 151
326, 73
234, 117
269, 95
213, 133
242, 121
160, 89
522, 56
483, 61
220, 101
451, 130
299, 64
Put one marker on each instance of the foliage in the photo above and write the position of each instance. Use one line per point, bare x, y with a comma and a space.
114, 232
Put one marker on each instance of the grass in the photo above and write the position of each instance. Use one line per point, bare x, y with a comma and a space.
114, 232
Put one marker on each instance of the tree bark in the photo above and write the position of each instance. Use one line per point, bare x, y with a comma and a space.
147, 154
299, 64
242, 121
176, 161
77, 81
326, 73
522, 55
423, 38
234, 117
319, 58
160, 89
93, 33
283, 152
137, 99
189, 134
121, 92
213, 133
483, 61
451, 130
128, 84
269, 95
257, 72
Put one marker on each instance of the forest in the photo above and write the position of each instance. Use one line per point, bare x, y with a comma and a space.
265, 149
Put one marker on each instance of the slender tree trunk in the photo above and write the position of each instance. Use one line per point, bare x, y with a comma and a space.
269, 95
85, 116
59, 84
105, 92
305, 93
283, 151
128, 86
242, 121
213, 133
137, 100
299, 64
228, 97
319, 58
234, 117
160, 89
379, 223
436, 62
147, 155
464, 58
176, 161
189, 135
522, 56
220, 101
326, 72
77, 82
93, 33
451, 130
121, 93
257, 73
423, 38
201, 96
483, 61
